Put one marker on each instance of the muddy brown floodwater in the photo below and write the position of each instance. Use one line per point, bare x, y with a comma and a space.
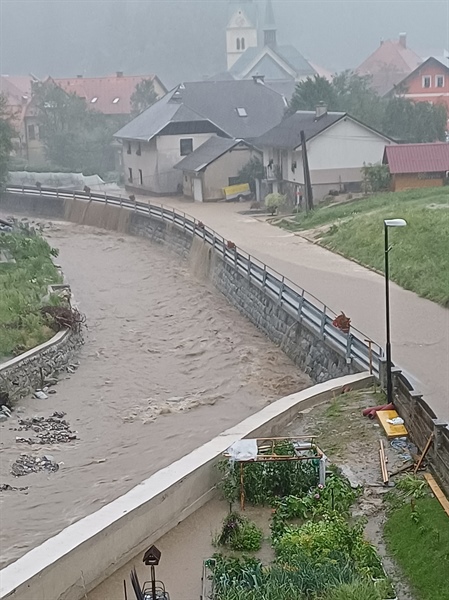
167, 365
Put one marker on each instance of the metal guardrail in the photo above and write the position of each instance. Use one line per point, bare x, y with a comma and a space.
297, 302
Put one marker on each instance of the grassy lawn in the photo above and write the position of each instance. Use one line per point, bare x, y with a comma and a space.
421, 548
23, 285
420, 256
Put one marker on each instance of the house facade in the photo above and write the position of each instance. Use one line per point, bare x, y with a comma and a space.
427, 83
178, 124
417, 165
389, 64
214, 166
337, 145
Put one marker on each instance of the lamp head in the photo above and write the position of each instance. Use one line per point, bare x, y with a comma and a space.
395, 223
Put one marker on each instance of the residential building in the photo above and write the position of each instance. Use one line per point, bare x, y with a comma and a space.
17, 91
338, 146
389, 64
214, 166
109, 95
427, 83
184, 119
417, 165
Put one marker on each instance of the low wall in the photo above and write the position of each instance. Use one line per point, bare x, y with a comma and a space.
69, 565
23, 374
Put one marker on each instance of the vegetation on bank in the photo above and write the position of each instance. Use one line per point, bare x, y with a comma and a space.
23, 285
417, 535
420, 257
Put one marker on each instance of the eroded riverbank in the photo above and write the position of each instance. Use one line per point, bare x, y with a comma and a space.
167, 365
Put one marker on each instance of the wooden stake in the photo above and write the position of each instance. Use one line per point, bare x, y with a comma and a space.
424, 452
242, 489
383, 463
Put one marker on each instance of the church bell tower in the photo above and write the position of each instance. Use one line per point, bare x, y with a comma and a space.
241, 32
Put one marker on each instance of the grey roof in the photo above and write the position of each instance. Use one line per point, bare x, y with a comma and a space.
286, 87
215, 102
249, 7
203, 156
287, 133
288, 54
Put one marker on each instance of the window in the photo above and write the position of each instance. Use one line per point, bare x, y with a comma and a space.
94, 100
139, 149
242, 112
243, 43
238, 43
130, 178
426, 81
31, 132
129, 148
115, 100
439, 81
140, 177
185, 146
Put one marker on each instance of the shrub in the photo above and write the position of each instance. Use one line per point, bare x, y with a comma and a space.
274, 201
377, 177
359, 590
239, 533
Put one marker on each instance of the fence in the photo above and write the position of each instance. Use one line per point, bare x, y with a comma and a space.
296, 301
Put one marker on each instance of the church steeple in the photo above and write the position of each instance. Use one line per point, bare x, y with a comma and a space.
241, 32
269, 27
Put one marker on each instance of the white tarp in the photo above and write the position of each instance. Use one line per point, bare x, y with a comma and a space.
243, 450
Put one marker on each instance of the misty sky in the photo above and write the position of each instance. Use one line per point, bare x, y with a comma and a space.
185, 39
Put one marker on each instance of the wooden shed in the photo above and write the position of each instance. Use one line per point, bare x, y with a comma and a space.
417, 165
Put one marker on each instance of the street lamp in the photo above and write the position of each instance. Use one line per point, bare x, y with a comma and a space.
387, 224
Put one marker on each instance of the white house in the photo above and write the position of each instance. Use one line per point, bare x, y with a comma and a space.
337, 147
178, 124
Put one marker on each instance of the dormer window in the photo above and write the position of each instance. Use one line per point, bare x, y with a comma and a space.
242, 112
94, 99
115, 101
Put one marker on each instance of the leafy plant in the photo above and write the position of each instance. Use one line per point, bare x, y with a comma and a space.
377, 177
239, 533
274, 201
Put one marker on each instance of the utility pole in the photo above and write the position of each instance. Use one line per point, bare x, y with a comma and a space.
307, 183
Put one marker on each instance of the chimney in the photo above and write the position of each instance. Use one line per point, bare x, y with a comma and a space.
259, 78
79, 76
320, 110
381, 41
403, 40
119, 73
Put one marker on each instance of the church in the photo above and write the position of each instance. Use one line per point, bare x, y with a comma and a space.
252, 49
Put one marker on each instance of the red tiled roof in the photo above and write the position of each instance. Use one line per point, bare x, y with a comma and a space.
15, 87
417, 158
113, 94
388, 64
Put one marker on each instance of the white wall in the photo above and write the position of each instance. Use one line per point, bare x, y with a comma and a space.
239, 27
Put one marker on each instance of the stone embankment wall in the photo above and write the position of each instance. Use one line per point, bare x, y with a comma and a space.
27, 372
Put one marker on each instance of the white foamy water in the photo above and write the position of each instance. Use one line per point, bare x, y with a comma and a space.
168, 364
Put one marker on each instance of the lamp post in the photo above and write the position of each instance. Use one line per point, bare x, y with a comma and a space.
387, 224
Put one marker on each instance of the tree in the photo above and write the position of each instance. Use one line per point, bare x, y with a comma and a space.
396, 117
309, 93
250, 172
274, 202
6, 134
143, 97
74, 137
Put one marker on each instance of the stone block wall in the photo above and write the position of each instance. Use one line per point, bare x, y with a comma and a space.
22, 375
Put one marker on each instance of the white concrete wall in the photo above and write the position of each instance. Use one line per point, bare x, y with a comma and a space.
217, 175
73, 562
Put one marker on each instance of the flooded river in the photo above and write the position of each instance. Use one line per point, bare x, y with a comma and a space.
167, 365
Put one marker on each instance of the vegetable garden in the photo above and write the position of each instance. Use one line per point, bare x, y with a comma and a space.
319, 549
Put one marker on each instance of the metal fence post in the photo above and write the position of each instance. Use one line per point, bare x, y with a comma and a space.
281, 289
349, 349
300, 305
323, 322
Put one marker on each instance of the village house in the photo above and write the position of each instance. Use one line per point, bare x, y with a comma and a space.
110, 96
389, 64
184, 119
417, 165
429, 82
338, 146
214, 166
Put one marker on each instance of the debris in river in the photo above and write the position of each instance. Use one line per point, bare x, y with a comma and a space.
53, 430
5, 487
27, 464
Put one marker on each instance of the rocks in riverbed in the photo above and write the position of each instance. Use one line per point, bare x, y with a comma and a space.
5, 487
52, 430
26, 464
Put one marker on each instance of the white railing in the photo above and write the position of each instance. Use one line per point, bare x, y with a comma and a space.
297, 302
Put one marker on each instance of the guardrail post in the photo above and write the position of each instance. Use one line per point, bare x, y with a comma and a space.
264, 276
349, 349
249, 263
105, 198
323, 322
300, 305
57, 193
184, 222
281, 289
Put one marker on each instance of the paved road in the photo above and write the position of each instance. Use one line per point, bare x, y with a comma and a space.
420, 328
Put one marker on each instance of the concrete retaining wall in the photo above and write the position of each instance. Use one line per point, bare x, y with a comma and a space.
69, 565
